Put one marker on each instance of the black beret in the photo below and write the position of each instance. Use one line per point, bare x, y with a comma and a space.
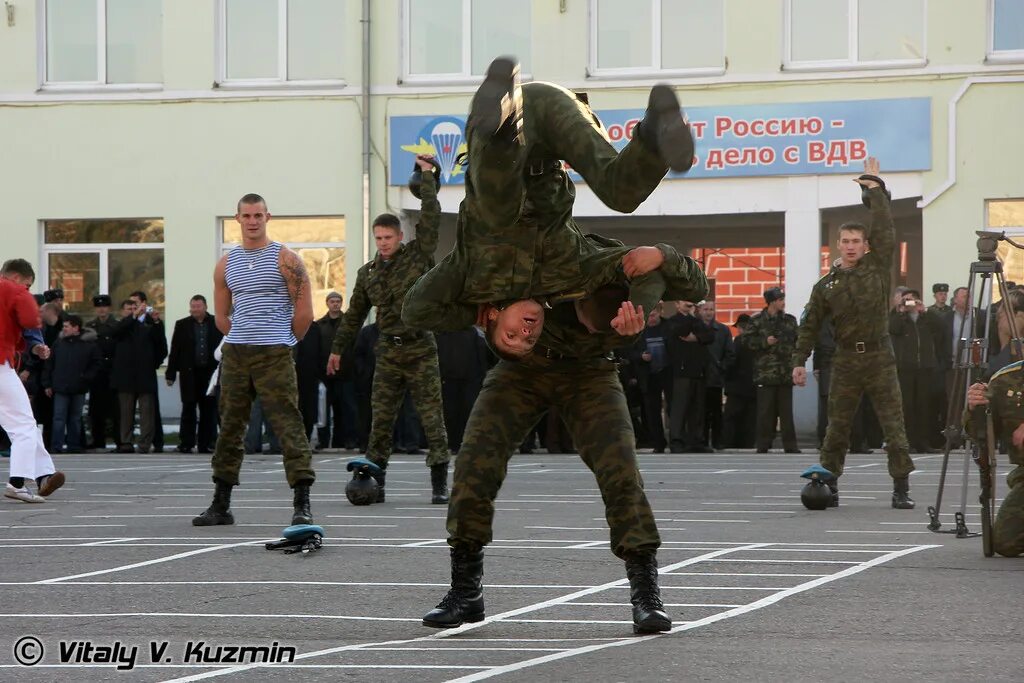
52, 295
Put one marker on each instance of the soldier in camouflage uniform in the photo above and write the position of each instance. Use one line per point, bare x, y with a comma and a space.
103, 399
856, 294
406, 356
1004, 396
571, 368
264, 305
772, 337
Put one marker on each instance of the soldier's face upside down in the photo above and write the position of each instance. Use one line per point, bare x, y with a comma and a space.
514, 330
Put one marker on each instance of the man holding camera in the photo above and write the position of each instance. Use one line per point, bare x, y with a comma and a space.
914, 331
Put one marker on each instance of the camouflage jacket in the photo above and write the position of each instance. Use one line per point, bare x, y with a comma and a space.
442, 300
1006, 403
772, 362
384, 284
857, 298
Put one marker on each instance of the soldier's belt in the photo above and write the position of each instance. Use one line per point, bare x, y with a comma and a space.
561, 298
541, 166
864, 346
551, 354
398, 340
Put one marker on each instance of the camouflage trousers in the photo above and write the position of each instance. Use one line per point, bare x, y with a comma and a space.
1008, 532
874, 374
557, 126
589, 398
247, 371
408, 366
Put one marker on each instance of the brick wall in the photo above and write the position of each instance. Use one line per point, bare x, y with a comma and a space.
742, 274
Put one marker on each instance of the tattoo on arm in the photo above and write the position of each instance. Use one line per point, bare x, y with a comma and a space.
296, 276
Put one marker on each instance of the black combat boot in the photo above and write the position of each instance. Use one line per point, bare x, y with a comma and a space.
665, 131
465, 601
648, 611
497, 107
218, 512
300, 503
833, 486
379, 478
901, 494
439, 483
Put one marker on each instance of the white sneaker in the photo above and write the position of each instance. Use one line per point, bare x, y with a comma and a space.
22, 494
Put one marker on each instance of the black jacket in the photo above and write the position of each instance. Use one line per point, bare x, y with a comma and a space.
141, 348
462, 356
721, 354
327, 328
73, 363
688, 359
310, 368
914, 342
739, 380
365, 358
182, 358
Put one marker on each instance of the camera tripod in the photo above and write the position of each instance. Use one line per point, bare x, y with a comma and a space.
971, 364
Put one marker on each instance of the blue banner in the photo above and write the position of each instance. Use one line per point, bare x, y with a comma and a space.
801, 138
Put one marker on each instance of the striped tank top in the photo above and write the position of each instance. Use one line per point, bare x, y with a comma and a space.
262, 308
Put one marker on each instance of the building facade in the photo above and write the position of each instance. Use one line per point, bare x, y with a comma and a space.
131, 127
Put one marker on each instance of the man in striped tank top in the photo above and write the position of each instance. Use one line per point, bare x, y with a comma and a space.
406, 356
263, 304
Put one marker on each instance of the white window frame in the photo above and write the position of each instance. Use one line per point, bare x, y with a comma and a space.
464, 77
104, 249
992, 55
852, 62
281, 80
101, 57
593, 71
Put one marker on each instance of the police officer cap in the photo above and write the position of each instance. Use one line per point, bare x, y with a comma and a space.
52, 295
774, 294
940, 287
101, 300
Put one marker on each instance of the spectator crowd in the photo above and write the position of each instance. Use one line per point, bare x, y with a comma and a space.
693, 384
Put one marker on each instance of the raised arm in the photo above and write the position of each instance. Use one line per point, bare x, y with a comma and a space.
881, 231
299, 289
221, 297
428, 227
432, 303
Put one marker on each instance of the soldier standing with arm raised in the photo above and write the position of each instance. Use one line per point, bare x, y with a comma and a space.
406, 357
856, 294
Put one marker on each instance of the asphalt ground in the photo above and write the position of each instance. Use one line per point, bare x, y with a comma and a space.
759, 588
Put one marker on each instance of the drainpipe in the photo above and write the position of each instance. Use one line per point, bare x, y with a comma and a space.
366, 131
951, 141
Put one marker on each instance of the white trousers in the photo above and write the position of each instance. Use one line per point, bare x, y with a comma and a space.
29, 457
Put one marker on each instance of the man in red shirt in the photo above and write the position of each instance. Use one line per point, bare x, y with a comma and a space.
29, 458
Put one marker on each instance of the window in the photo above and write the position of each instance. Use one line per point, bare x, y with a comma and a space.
116, 257
457, 39
1008, 215
319, 241
837, 33
276, 41
674, 36
101, 42
1006, 30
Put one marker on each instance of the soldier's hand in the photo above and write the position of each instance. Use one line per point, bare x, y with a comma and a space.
630, 319
800, 377
1018, 435
976, 396
870, 168
333, 364
772, 340
423, 161
641, 261
24, 375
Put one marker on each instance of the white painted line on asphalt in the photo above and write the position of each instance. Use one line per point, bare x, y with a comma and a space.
667, 604
58, 526
205, 615
276, 666
845, 496
150, 562
745, 560
759, 604
125, 516
150, 495
369, 516
421, 544
559, 495
109, 541
851, 531
588, 544
568, 621
740, 574
726, 512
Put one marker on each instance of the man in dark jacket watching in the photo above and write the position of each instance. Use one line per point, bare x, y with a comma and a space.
687, 340
74, 361
193, 342
141, 348
722, 356
914, 331
654, 373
